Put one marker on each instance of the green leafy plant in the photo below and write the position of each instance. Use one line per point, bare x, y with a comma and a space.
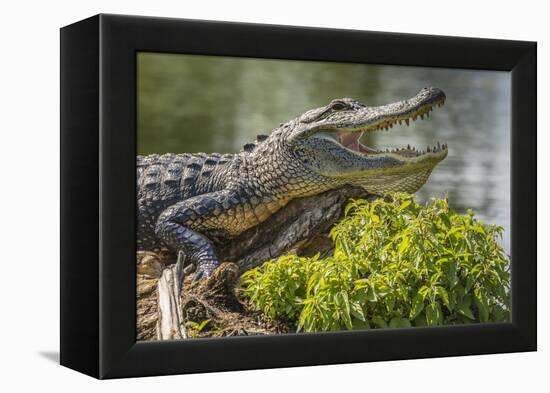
194, 328
395, 264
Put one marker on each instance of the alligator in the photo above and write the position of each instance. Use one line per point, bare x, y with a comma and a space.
185, 200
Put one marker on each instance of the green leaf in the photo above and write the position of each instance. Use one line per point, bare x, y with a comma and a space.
417, 306
404, 244
453, 278
371, 294
442, 293
203, 324
357, 311
404, 205
420, 320
469, 283
464, 309
361, 283
424, 291
400, 322
445, 219
481, 303
433, 314
346, 247
380, 322
360, 324
343, 302
498, 314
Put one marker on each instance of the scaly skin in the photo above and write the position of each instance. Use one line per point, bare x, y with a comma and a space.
185, 200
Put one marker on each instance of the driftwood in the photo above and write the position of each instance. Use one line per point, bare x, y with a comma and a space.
170, 323
165, 311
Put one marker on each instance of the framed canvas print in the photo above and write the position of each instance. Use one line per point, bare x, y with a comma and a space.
295, 196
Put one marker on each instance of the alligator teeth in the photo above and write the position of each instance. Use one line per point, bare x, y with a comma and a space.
411, 149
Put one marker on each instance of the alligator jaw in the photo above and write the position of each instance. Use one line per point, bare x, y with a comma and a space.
397, 113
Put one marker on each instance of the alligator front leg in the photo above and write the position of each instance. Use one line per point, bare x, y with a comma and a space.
179, 227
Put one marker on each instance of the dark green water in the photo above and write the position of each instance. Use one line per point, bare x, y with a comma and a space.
206, 103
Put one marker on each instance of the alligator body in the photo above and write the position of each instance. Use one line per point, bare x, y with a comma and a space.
186, 200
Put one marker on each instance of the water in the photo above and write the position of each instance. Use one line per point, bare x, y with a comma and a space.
217, 104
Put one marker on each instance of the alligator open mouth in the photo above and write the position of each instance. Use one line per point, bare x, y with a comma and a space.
351, 138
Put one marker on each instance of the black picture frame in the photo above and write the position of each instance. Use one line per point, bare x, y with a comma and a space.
98, 150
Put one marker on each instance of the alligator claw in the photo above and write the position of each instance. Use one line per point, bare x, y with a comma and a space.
189, 269
201, 273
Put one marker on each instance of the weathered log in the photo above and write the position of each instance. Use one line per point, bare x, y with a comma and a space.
301, 227
170, 323
149, 268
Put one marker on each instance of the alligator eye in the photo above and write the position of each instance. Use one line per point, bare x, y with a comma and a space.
338, 106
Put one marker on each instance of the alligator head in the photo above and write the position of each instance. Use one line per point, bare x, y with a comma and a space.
326, 143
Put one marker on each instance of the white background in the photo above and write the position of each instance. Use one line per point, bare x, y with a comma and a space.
29, 194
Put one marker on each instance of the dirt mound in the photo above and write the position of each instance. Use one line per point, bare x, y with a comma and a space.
208, 308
